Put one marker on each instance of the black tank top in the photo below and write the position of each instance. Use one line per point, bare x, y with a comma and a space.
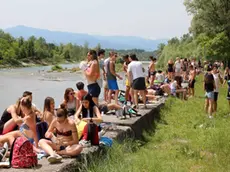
6, 116
170, 66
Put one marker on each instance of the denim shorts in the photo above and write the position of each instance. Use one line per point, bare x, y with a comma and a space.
209, 95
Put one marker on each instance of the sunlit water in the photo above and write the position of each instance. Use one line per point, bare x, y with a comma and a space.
13, 82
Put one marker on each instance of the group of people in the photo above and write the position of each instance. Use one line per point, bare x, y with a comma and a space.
62, 138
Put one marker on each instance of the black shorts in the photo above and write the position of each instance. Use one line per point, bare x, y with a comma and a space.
139, 84
170, 69
216, 96
192, 83
103, 108
94, 89
153, 73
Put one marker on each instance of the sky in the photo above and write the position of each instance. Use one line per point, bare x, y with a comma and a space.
153, 19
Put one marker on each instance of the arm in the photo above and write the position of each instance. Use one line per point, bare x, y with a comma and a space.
18, 120
77, 114
50, 130
221, 79
93, 69
97, 119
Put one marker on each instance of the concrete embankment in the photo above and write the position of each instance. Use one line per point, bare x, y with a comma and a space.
129, 128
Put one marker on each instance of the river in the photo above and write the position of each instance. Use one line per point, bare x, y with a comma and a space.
13, 82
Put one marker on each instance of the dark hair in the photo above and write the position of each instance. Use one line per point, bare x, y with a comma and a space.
88, 97
125, 56
80, 85
61, 112
152, 58
159, 71
93, 53
26, 93
26, 102
209, 69
133, 57
66, 95
101, 51
47, 103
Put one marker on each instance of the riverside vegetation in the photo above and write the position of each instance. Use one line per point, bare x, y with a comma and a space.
18, 52
208, 37
185, 139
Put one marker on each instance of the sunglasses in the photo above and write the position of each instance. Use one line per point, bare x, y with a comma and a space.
71, 93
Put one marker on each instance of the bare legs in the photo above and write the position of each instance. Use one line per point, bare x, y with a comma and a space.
49, 147
9, 126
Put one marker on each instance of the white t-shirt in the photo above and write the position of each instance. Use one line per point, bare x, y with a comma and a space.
160, 77
217, 82
106, 61
136, 68
177, 65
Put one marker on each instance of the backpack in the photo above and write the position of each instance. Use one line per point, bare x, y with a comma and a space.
22, 154
90, 133
41, 128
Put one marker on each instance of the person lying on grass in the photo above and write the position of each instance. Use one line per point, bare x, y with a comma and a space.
66, 142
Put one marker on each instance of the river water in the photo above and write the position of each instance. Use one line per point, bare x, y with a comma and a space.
13, 82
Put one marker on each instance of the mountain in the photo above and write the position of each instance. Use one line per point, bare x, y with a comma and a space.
113, 42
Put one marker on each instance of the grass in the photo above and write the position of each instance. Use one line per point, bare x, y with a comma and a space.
184, 140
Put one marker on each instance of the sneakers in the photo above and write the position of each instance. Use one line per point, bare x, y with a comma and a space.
3, 152
55, 158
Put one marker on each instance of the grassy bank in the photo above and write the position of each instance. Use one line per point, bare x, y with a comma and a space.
185, 140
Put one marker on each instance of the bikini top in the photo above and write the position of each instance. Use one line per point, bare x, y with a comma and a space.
66, 133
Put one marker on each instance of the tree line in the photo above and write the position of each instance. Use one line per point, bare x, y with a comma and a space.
14, 51
208, 37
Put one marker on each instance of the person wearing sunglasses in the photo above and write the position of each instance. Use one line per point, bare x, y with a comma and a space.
70, 101
66, 140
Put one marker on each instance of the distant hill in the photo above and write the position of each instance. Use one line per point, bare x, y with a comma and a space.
113, 42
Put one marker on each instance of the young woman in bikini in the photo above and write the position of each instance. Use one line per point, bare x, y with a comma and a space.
66, 142
27, 128
92, 74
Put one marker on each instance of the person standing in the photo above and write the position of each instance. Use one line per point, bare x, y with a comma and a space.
192, 76
209, 86
218, 80
101, 55
92, 74
127, 83
137, 78
112, 76
177, 67
152, 70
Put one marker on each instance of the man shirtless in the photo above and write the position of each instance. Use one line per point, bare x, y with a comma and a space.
192, 76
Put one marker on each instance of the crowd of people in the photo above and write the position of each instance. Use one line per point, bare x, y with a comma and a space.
62, 138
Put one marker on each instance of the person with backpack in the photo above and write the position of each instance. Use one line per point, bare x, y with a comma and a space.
66, 140
27, 128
